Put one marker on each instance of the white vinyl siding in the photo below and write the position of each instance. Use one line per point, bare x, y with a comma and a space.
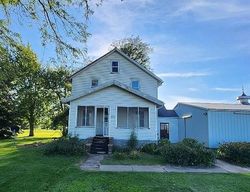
102, 71
113, 97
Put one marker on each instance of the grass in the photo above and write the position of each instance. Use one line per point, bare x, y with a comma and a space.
26, 169
144, 159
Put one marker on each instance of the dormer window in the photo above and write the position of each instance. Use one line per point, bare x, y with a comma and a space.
135, 84
94, 83
115, 67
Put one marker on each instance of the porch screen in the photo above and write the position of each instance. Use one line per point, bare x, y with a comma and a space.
85, 116
132, 117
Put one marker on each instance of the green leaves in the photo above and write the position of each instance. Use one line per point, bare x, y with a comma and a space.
136, 49
59, 27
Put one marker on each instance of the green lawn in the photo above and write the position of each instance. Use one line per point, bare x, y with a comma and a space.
25, 168
144, 159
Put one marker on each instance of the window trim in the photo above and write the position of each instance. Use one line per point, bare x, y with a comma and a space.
118, 68
138, 117
139, 83
92, 82
168, 128
85, 117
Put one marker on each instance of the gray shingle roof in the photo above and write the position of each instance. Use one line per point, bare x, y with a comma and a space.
163, 112
119, 85
219, 106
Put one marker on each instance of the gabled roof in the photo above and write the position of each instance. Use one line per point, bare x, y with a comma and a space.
219, 106
163, 112
116, 84
160, 81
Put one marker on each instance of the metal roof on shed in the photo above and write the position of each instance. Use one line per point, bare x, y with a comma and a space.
219, 106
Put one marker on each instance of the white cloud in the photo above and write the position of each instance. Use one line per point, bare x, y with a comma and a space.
192, 89
205, 10
184, 75
226, 89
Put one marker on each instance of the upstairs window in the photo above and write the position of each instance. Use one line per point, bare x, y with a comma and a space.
94, 83
115, 67
135, 84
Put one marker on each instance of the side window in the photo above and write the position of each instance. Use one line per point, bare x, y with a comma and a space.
135, 84
115, 67
94, 82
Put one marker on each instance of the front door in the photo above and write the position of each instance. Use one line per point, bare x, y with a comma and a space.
102, 121
164, 130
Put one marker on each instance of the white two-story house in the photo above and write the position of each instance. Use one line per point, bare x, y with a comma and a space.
113, 96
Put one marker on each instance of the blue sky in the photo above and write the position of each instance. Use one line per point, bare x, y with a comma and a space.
201, 47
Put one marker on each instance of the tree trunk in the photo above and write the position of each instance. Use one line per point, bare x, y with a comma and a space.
31, 129
31, 122
64, 131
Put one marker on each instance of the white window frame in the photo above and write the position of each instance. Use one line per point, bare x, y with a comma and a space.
138, 117
85, 116
92, 82
118, 68
139, 83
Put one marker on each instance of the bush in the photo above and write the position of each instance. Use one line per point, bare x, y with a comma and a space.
65, 146
235, 152
150, 148
5, 133
187, 153
119, 155
163, 142
134, 154
132, 142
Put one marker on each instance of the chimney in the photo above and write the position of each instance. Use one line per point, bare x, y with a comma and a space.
243, 98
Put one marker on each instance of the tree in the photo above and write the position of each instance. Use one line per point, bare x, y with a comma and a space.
58, 87
31, 95
136, 49
8, 112
55, 20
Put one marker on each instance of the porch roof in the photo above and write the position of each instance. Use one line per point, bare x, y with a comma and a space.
116, 84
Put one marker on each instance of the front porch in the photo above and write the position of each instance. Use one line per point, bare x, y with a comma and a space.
94, 117
101, 119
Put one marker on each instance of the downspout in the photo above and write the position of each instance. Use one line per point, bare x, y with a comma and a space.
185, 124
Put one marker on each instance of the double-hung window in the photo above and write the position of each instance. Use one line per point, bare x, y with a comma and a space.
115, 67
132, 117
85, 116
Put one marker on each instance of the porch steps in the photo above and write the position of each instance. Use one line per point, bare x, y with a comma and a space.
99, 145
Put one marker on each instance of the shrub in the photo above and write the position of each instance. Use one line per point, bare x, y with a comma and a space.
119, 149
5, 133
134, 154
235, 152
119, 155
187, 153
163, 142
132, 142
150, 148
65, 146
